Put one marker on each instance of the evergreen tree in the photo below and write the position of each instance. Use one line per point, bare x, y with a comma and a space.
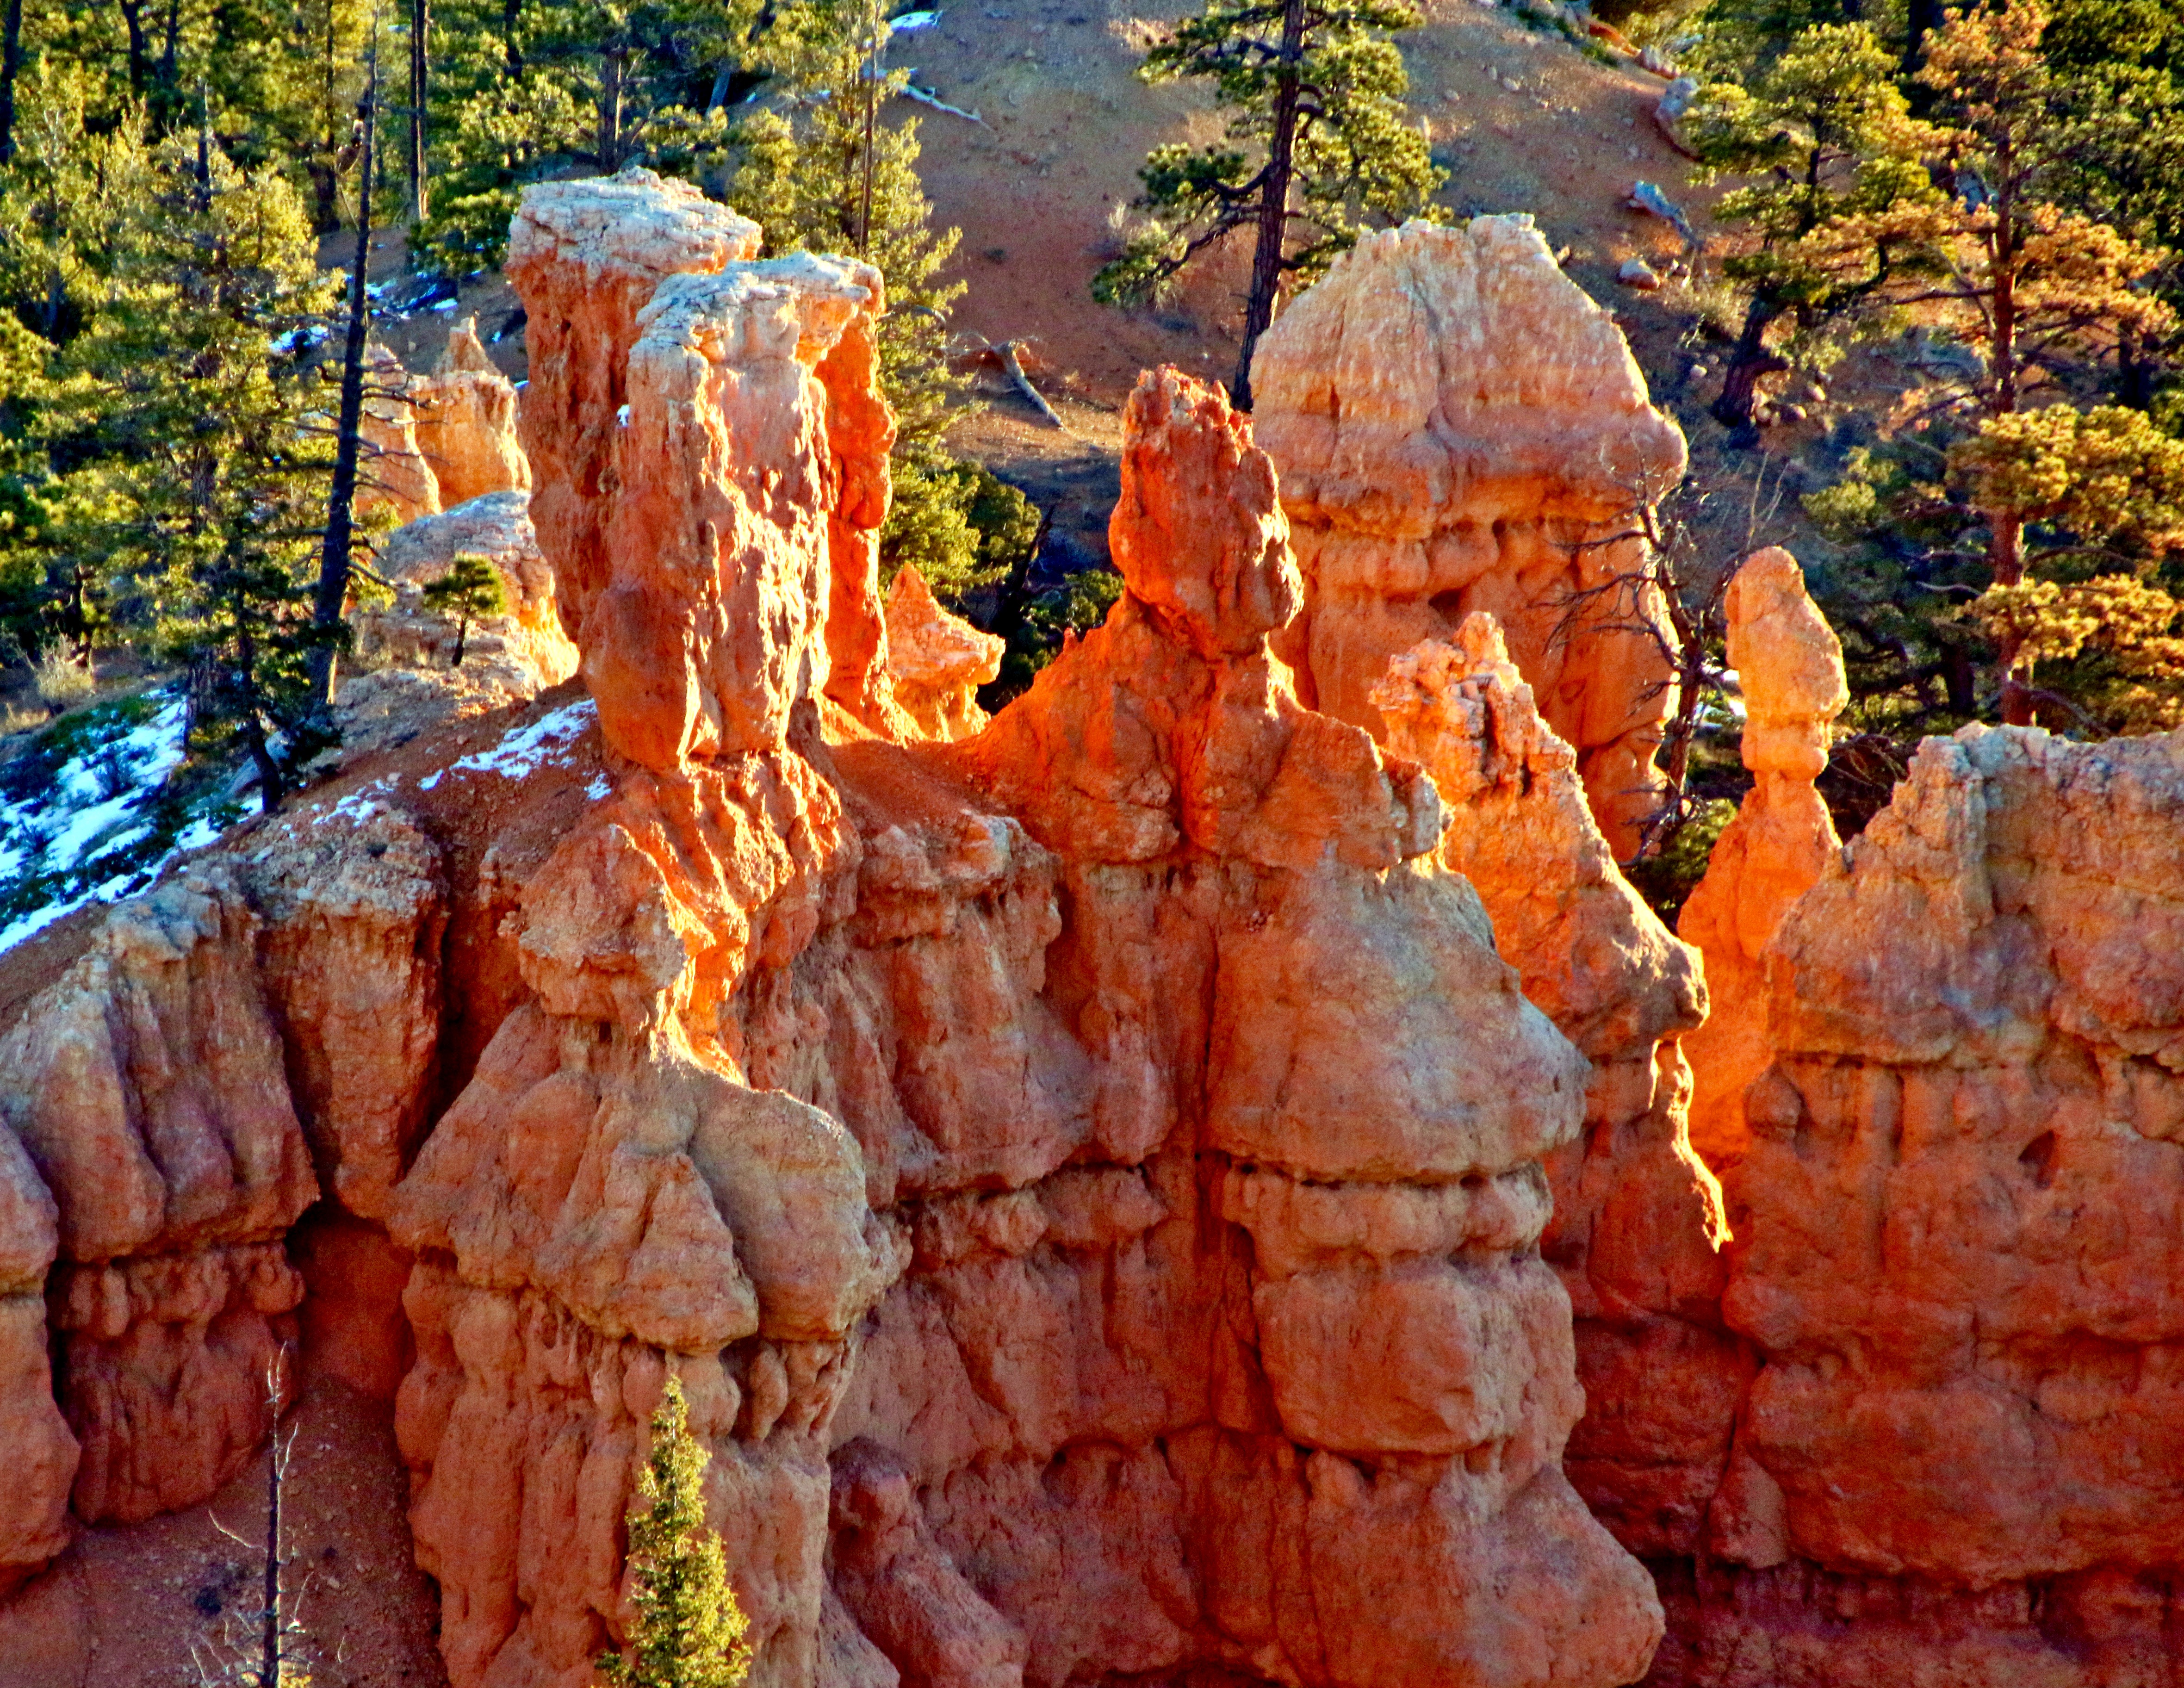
188, 474
1319, 146
470, 591
534, 88
1822, 134
689, 1632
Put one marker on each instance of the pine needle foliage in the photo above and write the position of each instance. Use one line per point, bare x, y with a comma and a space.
833, 171
470, 591
1319, 148
689, 1632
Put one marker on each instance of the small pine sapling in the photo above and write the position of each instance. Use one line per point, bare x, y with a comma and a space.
689, 1631
470, 591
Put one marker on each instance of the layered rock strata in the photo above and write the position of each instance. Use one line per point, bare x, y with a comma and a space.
1789, 667
1459, 428
1059, 1295
1634, 1211
164, 1102
1953, 1216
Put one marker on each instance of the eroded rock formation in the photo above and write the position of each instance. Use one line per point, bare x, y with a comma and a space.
464, 423
391, 473
1459, 428
146, 1088
1790, 666
1631, 1227
1953, 1219
402, 677
936, 661
1132, 1190
1037, 1272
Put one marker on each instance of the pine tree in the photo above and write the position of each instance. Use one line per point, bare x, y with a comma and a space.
1319, 146
689, 1632
1821, 134
470, 591
192, 476
533, 88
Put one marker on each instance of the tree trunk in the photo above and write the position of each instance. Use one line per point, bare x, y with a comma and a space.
11, 61
2135, 371
332, 594
421, 23
1273, 200
1922, 18
609, 144
511, 13
1747, 363
170, 47
2006, 558
140, 50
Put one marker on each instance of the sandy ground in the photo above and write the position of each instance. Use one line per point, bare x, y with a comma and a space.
144, 1606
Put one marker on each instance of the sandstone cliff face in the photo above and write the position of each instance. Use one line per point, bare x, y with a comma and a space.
1459, 428
1059, 1294
1791, 667
145, 1089
1630, 1235
1953, 1214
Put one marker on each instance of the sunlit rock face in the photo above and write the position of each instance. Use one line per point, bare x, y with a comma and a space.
1459, 428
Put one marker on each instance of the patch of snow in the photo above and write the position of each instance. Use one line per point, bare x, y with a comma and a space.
910, 21
525, 750
599, 788
92, 831
445, 304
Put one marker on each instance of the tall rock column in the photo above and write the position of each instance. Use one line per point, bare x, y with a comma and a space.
586, 257
1300, 1013
1790, 664
1635, 1212
609, 1200
1459, 428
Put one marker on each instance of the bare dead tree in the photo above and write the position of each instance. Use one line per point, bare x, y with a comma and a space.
265, 1646
1673, 597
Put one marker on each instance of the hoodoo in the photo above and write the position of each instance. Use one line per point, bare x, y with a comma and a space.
1459, 428
1192, 1180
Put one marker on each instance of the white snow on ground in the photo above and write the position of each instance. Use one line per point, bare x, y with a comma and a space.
83, 816
525, 750
89, 828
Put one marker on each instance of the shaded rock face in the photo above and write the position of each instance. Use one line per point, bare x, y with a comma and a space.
1977, 1018
466, 422
391, 473
1459, 428
165, 1102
